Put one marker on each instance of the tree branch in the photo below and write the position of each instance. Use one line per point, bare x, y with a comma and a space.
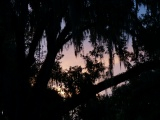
63, 36
37, 36
107, 83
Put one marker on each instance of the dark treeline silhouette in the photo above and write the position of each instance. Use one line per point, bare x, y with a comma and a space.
26, 70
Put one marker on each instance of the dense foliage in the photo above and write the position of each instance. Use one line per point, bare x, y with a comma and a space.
34, 32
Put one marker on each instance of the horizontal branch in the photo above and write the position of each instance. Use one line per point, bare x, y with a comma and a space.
107, 83
135, 71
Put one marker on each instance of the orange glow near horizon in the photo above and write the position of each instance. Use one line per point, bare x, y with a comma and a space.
70, 59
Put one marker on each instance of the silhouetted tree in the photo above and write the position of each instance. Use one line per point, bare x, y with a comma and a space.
23, 24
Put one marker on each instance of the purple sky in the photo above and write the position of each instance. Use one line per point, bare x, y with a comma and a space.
69, 58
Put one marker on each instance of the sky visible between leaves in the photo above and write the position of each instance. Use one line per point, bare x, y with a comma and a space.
70, 59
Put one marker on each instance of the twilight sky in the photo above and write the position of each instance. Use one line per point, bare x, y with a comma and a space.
69, 58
